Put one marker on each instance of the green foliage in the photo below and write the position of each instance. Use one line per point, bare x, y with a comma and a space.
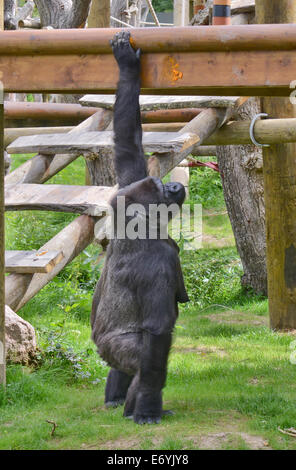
163, 5
206, 188
228, 373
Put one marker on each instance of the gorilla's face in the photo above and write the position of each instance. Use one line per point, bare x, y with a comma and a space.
152, 191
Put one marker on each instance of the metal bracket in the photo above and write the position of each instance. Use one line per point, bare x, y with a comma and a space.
252, 126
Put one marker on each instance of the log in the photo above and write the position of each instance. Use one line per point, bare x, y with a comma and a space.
89, 143
25, 262
72, 114
203, 125
248, 60
72, 240
153, 103
163, 127
280, 194
267, 131
30, 23
25, 11
89, 200
204, 151
170, 115
42, 167
11, 134
99, 16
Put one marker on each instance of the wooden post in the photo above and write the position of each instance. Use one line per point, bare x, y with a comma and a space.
222, 12
181, 12
99, 16
280, 193
2, 247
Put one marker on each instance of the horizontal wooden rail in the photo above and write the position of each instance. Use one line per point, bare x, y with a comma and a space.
156, 40
234, 60
48, 111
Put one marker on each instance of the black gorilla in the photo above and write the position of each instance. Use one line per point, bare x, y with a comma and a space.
135, 301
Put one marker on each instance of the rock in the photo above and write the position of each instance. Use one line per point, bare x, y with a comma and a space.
20, 338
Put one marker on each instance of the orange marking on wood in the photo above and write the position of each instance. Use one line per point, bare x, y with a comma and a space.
175, 73
42, 253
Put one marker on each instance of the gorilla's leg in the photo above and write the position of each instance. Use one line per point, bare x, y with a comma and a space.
117, 386
152, 376
131, 397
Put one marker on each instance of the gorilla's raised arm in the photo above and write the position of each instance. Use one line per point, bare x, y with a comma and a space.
130, 162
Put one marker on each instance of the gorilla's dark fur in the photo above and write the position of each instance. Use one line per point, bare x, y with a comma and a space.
135, 302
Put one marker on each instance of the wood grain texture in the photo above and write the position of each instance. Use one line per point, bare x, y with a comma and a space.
153, 103
41, 168
90, 200
280, 194
26, 262
94, 142
11, 134
234, 61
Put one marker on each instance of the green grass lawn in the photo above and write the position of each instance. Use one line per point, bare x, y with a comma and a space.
230, 379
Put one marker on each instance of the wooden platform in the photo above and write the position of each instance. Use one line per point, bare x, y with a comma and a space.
30, 262
90, 200
249, 60
155, 102
94, 142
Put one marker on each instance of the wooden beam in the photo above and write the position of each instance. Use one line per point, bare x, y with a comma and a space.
42, 167
20, 288
30, 262
99, 16
74, 113
94, 142
280, 194
2, 240
170, 115
153, 103
90, 200
11, 134
237, 60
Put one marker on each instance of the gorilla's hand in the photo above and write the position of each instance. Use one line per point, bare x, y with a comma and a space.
127, 58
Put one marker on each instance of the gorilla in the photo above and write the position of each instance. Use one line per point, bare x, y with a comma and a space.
135, 304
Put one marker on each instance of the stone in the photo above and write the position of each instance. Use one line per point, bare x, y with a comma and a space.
20, 338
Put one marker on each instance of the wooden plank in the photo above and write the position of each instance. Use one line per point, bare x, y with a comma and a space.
279, 172
244, 60
31, 261
11, 134
90, 200
41, 168
94, 142
20, 288
151, 102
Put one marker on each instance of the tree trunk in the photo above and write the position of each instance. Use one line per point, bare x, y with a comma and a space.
63, 14
242, 177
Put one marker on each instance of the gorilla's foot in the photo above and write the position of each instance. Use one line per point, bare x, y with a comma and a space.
114, 403
141, 419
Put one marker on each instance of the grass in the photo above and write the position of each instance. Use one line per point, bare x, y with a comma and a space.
230, 380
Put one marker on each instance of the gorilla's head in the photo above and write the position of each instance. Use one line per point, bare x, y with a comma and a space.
151, 190
150, 203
